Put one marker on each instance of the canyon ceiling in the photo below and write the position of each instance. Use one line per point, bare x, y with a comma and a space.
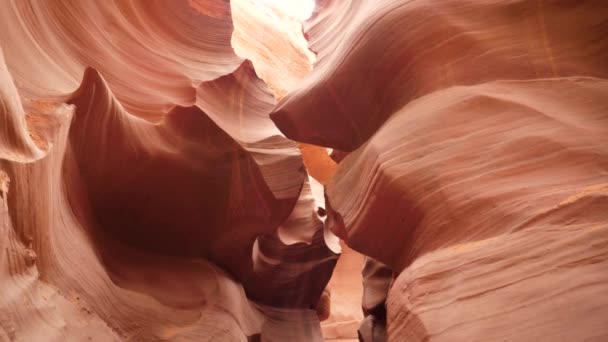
249, 170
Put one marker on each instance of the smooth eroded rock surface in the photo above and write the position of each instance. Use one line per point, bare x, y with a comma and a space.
384, 170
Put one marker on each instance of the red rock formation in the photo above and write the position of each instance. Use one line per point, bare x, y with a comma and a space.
396, 51
119, 222
478, 137
152, 187
150, 54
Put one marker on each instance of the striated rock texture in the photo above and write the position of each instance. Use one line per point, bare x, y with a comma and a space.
151, 197
176, 171
389, 52
492, 162
478, 161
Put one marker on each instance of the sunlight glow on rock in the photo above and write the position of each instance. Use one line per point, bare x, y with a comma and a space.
297, 9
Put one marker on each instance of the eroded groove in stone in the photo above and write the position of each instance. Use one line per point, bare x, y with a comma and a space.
184, 171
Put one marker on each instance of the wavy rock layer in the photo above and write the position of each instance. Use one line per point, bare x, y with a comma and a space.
59, 256
197, 223
150, 188
542, 283
470, 163
467, 164
152, 55
396, 51
472, 145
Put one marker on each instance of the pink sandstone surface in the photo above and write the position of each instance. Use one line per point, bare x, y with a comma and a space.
374, 170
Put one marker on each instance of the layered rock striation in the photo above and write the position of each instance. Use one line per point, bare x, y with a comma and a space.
165, 172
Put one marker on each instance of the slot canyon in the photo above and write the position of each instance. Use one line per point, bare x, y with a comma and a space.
300, 170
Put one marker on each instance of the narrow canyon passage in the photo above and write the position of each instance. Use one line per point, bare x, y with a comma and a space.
303, 170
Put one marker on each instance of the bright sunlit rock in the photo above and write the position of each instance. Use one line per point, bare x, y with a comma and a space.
297, 9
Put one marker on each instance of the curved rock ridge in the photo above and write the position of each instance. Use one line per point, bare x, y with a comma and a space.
470, 163
525, 286
491, 162
57, 285
145, 205
152, 55
48, 294
298, 272
240, 103
186, 171
25, 298
205, 211
330, 23
397, 51
215, 213
126, 236
27, 125
455, 124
